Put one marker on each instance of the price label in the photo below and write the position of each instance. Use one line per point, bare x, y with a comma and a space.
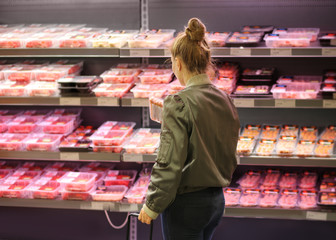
333, 42
69, 156
316, 215
133, 158
285, 103
139, 53
240, 51
329, 51
70, 101
85, 205
102, 101
334, 95
140, 102
167, 53
243, 102
329, 103
281, 52
101, 205
128, 207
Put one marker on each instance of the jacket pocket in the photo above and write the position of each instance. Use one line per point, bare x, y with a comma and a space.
164, 148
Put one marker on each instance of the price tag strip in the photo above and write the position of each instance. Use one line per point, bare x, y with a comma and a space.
69, 156
139, 52
105, 101
316, 215
281, 52
329, 52
240, 51
285, 103
243, 102
329, 103
130, 157
70, 101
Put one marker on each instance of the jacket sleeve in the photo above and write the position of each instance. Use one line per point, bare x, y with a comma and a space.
172, 154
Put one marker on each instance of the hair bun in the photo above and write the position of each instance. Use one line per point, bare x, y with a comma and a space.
195, 30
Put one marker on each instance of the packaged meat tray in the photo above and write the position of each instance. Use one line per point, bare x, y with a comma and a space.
120, 177
41, 40
81, 145
271, 179
21, 174
243, 39
258, 73
225, 84
4, 174
43, 89
232, 196
113, 39
295, 90
279, 40
142, 182
72, 113
305, 148
79, 81
112, 90
269, 198
327, 199
286, 145
110, 138
43, 142
311, 33
12, 142
43, 188
245, 145
327, 39
328, 90
312, 79
74, 67
110, 149
52, 175
155, 109
149, 90
63, 167
109, 193
252, 90
270, 131
328, 134
14, 89
15, 190
289, 130
51, 73
156, 76
250, 179
217, 39
9, 165
3, 124
324, 148
24, 125
143, 141
250, 198
21, 73
308, 133
151, 39
120, 75
288, 198
251, 131
37, 114
329, 175
308, 199
76, 40
34, 166
11, 40
58, 125
97, 167
288, 180
117, 126
77, 195
175, 87
136, 195
308, 180
257, 28
328, 186
77, 181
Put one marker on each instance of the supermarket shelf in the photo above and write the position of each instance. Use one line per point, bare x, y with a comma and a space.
61, 156
130, 101
60, 52
295, 214
130, 157
288, 161
284, 103
144, 52
71, 101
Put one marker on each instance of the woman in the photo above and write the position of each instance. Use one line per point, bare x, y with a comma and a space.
197, 153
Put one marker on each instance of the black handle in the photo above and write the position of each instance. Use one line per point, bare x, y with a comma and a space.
129, 223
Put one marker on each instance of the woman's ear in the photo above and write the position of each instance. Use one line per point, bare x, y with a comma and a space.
178, 63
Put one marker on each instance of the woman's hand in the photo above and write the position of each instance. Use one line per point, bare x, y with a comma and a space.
144, 218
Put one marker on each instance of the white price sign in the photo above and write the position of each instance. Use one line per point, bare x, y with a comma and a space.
243, 102
329, 103
104, 101
69, 156
333, 42
240, 51
285, 103
85, 206
316, 215
139, 52
70, 101
133, 158
281, 52
129, 208
140, 102
329, 51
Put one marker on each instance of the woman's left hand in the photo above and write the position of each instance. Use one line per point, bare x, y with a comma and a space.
144, 218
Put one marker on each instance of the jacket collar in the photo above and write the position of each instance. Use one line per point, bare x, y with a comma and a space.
200, 79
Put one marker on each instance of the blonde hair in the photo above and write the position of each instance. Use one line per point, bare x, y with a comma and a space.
192, 47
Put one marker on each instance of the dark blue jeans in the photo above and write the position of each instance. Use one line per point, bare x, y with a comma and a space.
193, 215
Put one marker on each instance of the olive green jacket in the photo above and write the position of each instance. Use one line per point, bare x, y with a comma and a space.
199, 135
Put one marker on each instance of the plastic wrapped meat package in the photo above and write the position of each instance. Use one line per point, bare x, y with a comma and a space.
271, 179
11, 40
4, 174
310, 33
226, 84
327, 199
21, 73
327, 39
109, 138
112, 90
149, 90
77, 181
266, 147
286, 145
143, 141
156, 76
257, 28
52, 73
155, 109
308, 180
295, 90
76, 40
308, 133
217, 39
136, 195
251, 131
244, 39
42, 40
12, 142
3, 124
77, 195
252, 90
14, 188
113, 38
151, 39
109, 193
63, 167
276, 40
58, 125
324, 148
245, 145
120, 177
43, 142
116, 75
288, 180
288, 198
289, 130
10, 89
43, 188
313, 79
43, 89
250, 198
270, 132
305, 148
269, 198
250, 179
232, 196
